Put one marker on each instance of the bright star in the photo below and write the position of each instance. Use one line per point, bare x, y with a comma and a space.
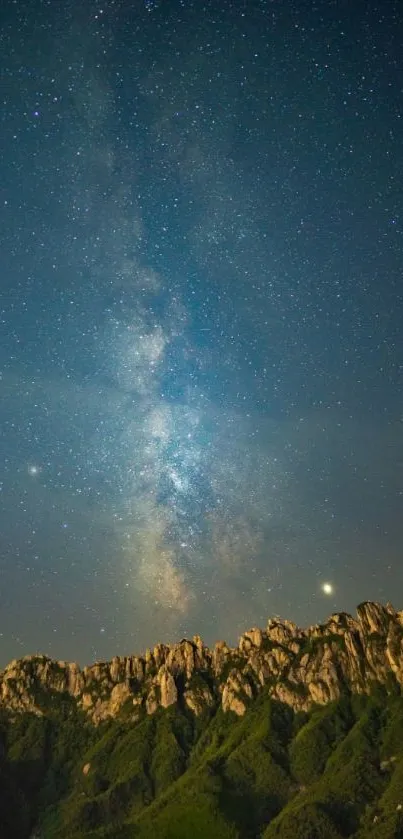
33, 470
327, 588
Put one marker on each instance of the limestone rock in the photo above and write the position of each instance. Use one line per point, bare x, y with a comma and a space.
280, 631
135, 668
115, 669
168, 691
183, 658
150, 664
86, 701
119, 695
373, 617
198, 697
74, 679
221, 654
250, 640
198, 643
285, 693
237, 690
152, 701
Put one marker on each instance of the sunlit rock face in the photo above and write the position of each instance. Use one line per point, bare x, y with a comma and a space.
168, 689
300, 667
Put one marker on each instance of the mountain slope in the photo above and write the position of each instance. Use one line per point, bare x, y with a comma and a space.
223, 743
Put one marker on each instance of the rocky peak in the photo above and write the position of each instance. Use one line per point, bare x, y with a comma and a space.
281, 631
250, 640
221, 654
297, 666
373, 617
167, 686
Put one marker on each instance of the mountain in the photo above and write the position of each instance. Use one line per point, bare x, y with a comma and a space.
294, 734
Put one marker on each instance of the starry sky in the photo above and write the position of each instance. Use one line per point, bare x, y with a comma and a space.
201, 316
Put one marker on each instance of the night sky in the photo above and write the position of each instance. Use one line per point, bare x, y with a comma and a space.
201, 318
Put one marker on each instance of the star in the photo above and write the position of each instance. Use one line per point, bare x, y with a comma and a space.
33, 470
327, 588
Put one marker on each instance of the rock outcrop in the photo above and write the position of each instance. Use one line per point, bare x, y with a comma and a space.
298, 666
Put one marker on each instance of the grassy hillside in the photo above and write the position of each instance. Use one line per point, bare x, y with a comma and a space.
333, 773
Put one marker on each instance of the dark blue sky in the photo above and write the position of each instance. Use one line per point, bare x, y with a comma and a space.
201, 318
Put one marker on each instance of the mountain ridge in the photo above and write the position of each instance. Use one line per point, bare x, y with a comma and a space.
299, 667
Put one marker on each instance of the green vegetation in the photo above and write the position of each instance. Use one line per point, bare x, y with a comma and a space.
333, 773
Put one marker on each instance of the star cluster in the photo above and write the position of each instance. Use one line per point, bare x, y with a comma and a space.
201, 315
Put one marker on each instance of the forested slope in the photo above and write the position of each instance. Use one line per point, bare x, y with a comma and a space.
334, 772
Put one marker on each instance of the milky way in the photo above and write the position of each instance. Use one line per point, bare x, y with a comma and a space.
201, 310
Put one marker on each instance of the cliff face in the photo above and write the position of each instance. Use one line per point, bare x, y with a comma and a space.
299, 667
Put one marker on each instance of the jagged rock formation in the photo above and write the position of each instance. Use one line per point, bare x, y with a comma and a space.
299, 667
